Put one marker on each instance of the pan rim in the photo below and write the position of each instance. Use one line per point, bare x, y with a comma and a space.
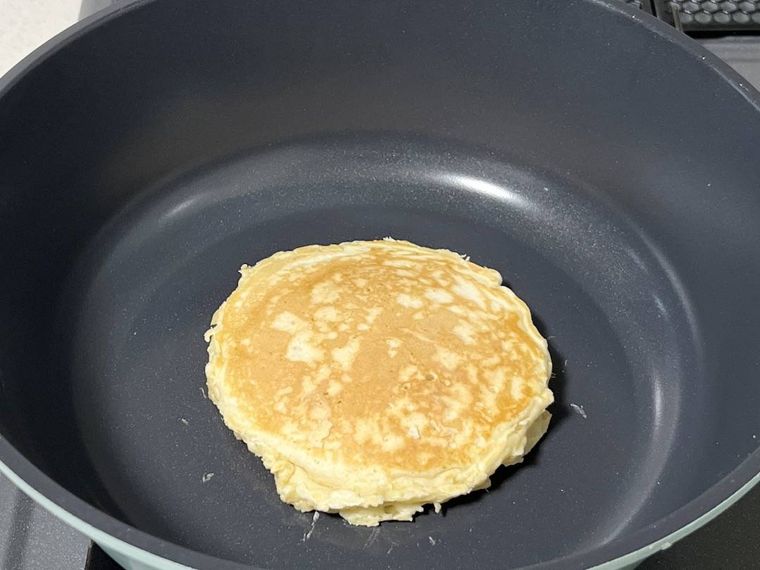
147, 548
139, 545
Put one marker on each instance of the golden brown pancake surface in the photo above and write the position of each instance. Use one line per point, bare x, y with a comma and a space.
375, 377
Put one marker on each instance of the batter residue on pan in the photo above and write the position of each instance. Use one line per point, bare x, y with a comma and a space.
374, 377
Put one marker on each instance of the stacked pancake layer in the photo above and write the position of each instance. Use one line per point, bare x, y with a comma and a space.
375, 377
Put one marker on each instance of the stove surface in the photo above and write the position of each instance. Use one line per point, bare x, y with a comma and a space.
33, 539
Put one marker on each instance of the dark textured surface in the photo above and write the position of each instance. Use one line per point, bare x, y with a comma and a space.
730, 541
526, 163
712, 15
33, 539
740, 52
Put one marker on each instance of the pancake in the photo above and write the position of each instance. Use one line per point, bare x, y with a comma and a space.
375, 377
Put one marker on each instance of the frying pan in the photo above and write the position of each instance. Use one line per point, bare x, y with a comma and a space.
609, 168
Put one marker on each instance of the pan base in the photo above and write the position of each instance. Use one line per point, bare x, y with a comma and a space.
143, 294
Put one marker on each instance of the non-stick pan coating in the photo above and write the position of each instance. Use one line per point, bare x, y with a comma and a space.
593, 164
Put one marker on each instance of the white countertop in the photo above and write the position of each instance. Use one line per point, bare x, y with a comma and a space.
26, 24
